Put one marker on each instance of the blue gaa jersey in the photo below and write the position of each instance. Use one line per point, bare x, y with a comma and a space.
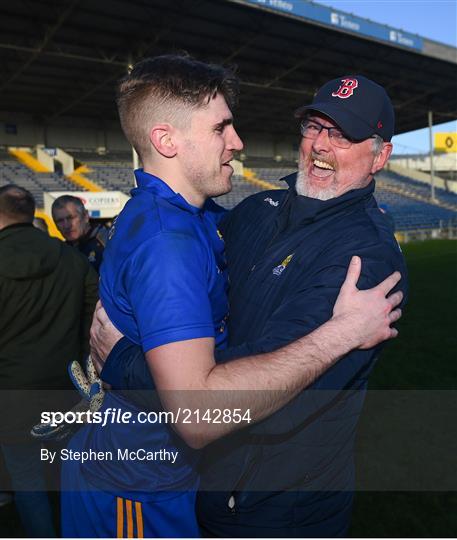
163, 279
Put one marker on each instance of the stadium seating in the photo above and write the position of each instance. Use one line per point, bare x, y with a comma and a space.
273, 175
410, 215
408, 201
414, 187
112, 177
113, 172
13, 172
241, 190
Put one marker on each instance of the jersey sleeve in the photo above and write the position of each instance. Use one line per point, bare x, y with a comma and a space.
166, 283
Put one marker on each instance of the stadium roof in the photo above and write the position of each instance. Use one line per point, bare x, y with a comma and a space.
61, 58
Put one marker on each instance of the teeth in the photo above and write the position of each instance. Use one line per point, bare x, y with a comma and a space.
323, 165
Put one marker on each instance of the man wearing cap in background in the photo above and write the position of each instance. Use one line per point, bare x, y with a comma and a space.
292, 475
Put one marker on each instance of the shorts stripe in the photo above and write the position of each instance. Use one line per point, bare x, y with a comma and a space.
139, 520
128, 505
129, 515
120, 518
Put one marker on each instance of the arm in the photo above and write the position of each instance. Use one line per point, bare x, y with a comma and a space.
190, 365
261, 383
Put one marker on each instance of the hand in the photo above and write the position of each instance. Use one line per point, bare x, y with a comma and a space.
87, 383
90, 388
103, 336
367, 315
60, 432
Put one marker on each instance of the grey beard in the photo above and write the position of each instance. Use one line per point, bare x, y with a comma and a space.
303, 188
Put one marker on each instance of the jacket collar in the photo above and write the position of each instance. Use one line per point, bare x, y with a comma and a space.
16, 226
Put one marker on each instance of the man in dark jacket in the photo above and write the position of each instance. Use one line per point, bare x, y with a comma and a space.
292, 474
48, 293
72, 220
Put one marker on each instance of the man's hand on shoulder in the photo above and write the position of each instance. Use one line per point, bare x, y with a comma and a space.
368, 314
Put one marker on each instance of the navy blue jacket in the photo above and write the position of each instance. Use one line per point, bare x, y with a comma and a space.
291, 474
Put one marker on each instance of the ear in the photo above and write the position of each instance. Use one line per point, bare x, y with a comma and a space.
381, 159
86, 216
162, 137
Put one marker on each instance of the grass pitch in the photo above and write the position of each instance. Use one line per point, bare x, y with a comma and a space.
423, 357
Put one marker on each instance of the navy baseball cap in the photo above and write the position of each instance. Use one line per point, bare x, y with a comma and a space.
359, 107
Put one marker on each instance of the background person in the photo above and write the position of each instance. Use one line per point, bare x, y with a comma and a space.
48, 293
72, 220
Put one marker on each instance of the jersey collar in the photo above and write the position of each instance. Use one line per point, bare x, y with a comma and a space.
153, 184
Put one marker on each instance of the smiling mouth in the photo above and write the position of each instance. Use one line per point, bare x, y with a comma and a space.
228, 163
322, 165
321, 169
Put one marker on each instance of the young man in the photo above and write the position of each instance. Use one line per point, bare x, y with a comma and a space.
163, 283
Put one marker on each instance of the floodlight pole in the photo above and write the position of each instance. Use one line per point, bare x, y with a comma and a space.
432, 165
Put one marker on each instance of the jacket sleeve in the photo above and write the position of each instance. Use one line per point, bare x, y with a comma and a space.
126, 368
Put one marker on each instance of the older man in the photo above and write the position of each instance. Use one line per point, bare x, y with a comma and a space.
72, 220
287, 251
292, 475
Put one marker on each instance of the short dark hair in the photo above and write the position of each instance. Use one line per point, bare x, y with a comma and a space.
163, 87
17, 204
63, 200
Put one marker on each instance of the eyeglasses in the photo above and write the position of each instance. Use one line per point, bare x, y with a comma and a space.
310, 129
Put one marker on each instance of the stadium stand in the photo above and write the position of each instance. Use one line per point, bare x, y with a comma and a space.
111, 176
113, 172
418, 189
273, 175
13, 172
413, 215
407, 200
241, 190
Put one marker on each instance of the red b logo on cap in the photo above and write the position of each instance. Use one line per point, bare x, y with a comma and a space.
346, 89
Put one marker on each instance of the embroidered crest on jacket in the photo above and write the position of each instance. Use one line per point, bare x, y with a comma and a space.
278, 270
271, 201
